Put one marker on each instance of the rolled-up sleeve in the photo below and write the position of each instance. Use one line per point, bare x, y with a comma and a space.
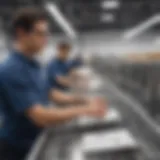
19, 94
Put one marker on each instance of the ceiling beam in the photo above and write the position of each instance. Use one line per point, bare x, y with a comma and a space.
142, 27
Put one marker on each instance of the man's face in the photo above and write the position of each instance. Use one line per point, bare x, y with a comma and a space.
36, 39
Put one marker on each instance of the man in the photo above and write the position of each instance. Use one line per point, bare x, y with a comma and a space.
58, 69
24, 91
62, 73
59, 77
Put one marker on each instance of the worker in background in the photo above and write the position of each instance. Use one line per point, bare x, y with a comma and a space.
24, 91
59, 74
59, 68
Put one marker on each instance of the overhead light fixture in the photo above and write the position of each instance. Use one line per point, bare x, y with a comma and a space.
142, 27
110, 4
107, 17
61, 20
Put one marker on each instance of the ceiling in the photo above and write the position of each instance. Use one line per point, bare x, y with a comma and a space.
87, 15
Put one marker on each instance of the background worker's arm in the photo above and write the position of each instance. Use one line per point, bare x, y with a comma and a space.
70, 79
65, 81
64, 97
74, 73
55, 75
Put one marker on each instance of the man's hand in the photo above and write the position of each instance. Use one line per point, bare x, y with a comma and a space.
65, 81
97, 108
77, 99
44, 117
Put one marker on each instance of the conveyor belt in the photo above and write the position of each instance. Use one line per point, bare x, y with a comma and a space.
65, 142
132, 113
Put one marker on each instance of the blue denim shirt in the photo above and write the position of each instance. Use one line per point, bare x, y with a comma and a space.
54, 69
22, 85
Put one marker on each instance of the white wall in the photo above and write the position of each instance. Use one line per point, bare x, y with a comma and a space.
113, 43
104, 43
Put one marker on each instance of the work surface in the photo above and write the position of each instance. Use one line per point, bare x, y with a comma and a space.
121, 135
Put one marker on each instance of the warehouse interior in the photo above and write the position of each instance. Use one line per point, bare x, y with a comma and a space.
119, 41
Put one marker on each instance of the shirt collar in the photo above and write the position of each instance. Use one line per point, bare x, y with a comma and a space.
60, 61
30, 61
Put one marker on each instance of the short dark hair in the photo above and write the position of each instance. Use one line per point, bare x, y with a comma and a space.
64, 45
26, 18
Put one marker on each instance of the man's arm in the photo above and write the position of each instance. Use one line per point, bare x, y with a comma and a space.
44, 117
74, 72
25, 101
70, 79
65, 81
65, 98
